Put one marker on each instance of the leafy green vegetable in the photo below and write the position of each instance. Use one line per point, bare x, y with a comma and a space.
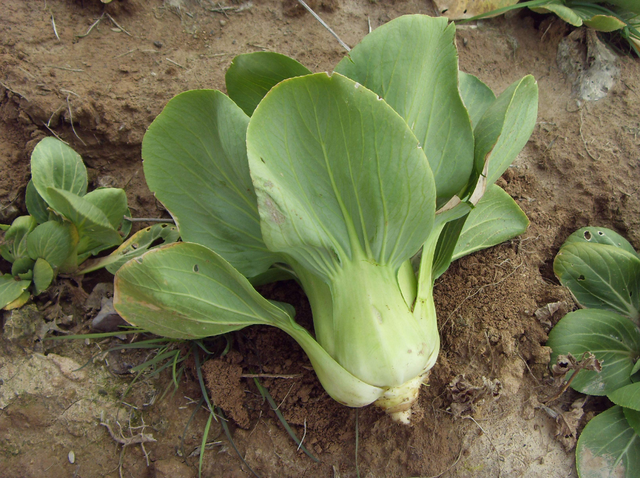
601, 270
66, 224
342, 181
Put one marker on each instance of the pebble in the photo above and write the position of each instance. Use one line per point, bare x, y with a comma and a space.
157, 44
72, 457
107, 319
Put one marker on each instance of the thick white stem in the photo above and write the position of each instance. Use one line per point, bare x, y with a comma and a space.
398, 401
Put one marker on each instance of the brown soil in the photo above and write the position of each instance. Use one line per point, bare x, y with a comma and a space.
101, 91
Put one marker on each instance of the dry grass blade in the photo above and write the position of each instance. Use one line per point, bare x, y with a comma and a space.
315, 15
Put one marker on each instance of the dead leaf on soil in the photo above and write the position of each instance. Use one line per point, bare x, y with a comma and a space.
567, 363
567, 424
465, 395
460, 9
546, 313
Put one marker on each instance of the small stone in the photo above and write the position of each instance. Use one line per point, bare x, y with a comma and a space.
72, 457
223, 23
100, 293
108, 319
157, 44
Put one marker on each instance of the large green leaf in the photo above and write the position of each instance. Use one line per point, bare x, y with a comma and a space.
599, 235
412, 63
601, 276
56, 165
52, 241
627, 396
338, 174
112, 202
613, 339
92, 224
476, 96
136, 245
252, 75
187, 291
11, 289
36, 206
505, 128
495, 219
195, 161
608, 447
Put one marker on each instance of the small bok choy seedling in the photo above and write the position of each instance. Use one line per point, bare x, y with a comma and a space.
338, 181
66, 225
602, 271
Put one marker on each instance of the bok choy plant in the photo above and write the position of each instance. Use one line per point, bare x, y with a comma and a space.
363, 185
602, 271
67, 225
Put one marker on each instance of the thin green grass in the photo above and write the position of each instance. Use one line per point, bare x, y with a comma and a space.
227, 432
266, 395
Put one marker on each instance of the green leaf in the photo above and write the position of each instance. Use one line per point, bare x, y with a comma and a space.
43, 275
412, 63
20, 301
93, 225
627, 396
505, 128
564, 12
599, 235
601, 276
328, 193
495, 219
136, 245
26, 275
112, 202
633, 419
36, 206
11, 289
52, 241
605, 23
252, 75
195, 160
15, 237
613, 339
22, 266
446, 245
56, 165
476, 96
187, 291
608, 446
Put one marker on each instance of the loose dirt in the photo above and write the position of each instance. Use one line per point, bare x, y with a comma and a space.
98, 86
